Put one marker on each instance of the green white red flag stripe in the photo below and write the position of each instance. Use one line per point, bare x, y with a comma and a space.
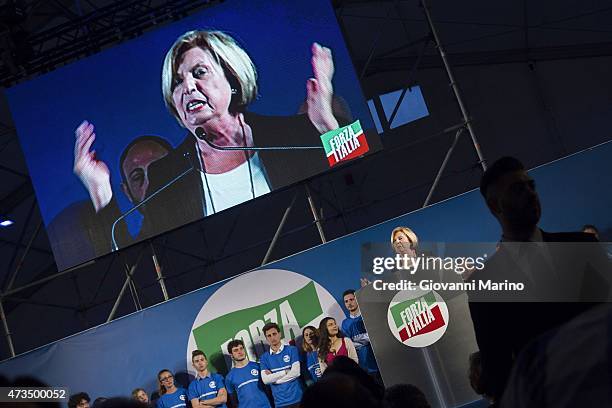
345, 143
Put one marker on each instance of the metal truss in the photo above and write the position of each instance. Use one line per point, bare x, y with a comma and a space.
30, 53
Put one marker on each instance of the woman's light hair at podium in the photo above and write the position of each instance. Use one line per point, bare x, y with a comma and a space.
398, 236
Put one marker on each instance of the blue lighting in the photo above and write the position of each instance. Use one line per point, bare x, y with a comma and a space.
411, 108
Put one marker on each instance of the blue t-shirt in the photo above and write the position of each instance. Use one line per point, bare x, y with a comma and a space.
312, 364
354, 328
206, 388
246, 382
177, 399
286, 393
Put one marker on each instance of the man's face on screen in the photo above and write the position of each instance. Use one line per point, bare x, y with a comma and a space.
201, 92
135, 168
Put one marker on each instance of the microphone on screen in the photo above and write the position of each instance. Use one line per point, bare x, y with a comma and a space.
115, 245
201, 134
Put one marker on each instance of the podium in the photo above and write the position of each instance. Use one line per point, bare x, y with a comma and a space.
440, 370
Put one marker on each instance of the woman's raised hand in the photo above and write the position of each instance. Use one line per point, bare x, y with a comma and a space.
93, 173
319, 90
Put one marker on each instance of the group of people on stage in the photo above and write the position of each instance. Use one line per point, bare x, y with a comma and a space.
282, 371
323, 344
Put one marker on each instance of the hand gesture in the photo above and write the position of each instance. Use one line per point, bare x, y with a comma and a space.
319, 90
93, 173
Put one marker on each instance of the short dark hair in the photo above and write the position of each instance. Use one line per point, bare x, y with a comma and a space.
348, 292
75, 399
155, 139
405, 395
196, 353
270, 326
234, 343
497, 170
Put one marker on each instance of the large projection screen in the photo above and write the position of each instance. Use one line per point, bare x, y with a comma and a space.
99, 138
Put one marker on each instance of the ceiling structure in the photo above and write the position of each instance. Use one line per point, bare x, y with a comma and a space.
391, 47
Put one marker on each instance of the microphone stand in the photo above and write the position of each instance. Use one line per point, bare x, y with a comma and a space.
200, 134
115, 247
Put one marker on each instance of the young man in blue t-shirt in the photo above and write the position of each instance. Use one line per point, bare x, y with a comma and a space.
208, 389
243, 382
354, 328
281, 369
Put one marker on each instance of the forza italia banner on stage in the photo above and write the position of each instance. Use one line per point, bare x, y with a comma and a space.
286, 298
418, 321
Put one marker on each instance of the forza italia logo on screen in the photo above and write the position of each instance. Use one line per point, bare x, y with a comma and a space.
345, 143
240, 308
417, 319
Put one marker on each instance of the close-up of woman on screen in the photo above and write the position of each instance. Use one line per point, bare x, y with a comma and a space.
208, 81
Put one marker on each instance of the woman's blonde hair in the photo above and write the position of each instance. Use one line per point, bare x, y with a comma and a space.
136, 391
236, 63
409, 233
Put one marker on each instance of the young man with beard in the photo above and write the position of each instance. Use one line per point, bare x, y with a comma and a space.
243, 382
